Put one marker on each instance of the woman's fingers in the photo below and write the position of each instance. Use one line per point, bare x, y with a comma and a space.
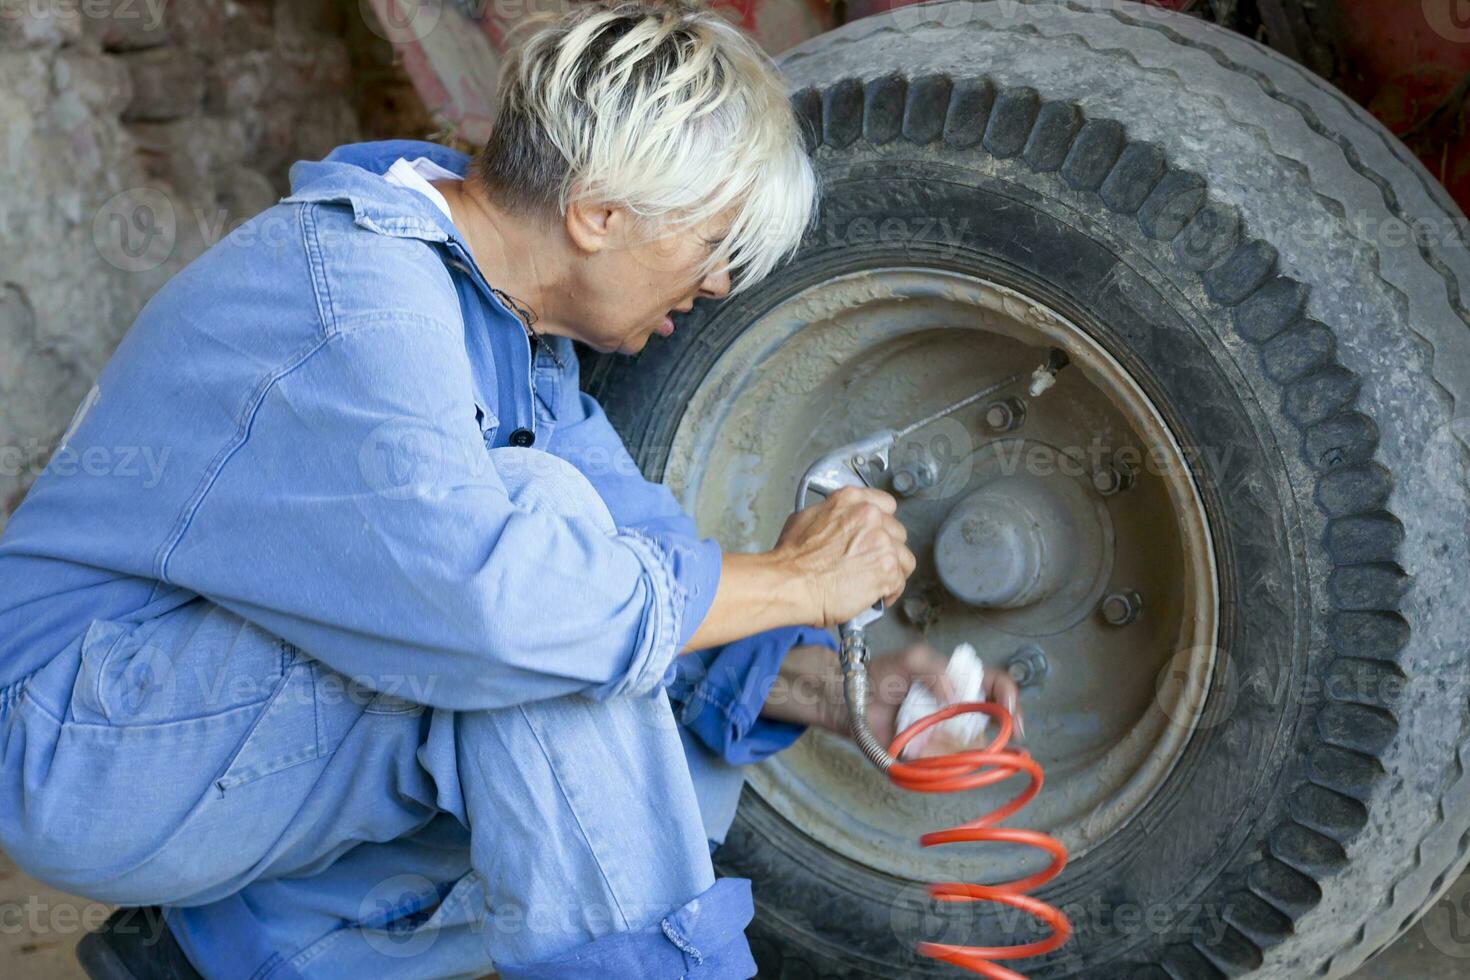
1001, 689
848, 551
925, 665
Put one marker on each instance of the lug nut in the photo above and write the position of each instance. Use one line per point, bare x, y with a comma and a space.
1122, 607
1028, 666
912, 478
1112, 479
919, 611
1006, 414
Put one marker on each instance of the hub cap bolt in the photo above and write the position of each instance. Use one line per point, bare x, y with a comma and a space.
912, 478
1006, 414
1122, 607
919, 611
1028, 667
1112, 479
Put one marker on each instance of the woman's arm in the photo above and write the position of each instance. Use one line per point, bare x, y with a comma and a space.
831, 562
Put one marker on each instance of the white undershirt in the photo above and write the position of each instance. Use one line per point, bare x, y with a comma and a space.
416, 174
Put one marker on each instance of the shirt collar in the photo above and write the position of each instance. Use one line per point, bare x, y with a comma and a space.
352, 175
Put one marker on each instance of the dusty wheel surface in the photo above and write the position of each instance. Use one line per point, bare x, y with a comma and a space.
1233, 532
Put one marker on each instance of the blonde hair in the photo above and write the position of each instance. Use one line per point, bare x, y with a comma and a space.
663, 108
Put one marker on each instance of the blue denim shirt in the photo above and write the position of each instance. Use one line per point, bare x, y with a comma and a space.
295, 428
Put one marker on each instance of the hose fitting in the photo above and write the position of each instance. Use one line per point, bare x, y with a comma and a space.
853, 657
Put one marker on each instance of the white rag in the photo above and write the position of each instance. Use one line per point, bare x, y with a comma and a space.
967, 674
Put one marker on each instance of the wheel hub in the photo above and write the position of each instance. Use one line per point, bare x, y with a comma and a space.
1019, 541
1024, 515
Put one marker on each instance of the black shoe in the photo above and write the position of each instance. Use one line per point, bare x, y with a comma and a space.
134, 944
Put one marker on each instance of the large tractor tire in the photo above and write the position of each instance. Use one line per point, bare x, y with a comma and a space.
1254, 706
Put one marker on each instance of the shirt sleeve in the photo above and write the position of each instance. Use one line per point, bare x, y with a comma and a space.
585, 438
718, 694
358, 516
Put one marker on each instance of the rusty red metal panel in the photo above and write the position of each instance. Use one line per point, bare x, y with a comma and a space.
1409, 63
452, 51
451, 62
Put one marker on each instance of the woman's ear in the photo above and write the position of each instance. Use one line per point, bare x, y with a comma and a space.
594, 227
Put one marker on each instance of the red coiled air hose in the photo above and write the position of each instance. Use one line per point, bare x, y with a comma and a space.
961, 771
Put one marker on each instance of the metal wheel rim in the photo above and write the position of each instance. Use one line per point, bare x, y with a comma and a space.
822, 785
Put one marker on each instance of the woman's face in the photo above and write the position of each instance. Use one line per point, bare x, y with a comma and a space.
628, 290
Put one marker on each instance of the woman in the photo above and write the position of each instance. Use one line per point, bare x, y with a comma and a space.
370, 678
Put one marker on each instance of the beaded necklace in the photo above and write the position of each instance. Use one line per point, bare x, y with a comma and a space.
527, 317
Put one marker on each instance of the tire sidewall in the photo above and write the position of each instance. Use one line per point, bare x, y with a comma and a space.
1147, 885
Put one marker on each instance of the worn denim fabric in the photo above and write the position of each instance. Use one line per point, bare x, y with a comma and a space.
719, 693
305, 826
318, 391
276, 600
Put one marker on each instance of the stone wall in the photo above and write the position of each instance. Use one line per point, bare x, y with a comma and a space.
135, 133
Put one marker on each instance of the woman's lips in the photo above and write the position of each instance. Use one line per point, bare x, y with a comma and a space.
666, 329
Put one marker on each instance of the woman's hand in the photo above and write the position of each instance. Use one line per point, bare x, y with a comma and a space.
830, 563
891, 676
849, 551
808, 690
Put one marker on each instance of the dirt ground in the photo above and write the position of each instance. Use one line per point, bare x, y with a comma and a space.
39, 928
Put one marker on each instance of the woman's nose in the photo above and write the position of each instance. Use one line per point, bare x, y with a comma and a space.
717, 284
